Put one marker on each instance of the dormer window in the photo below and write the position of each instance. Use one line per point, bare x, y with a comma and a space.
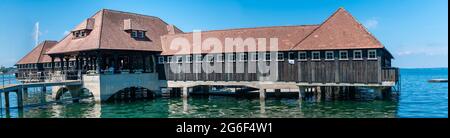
134, 34
138, 34
80, 33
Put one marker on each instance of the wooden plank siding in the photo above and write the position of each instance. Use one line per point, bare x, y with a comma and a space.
320, 71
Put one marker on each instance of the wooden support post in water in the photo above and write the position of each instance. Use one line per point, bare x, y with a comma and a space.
185, 92
6, 100
318, 94
43, 95
25, 94
262, 94
301, 93
20, 98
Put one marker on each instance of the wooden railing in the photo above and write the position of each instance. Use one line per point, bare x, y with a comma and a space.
57, 76
390, 74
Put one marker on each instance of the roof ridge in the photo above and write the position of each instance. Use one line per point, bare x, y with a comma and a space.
334, 14
137, 14
42, 50
250, 28
101, 28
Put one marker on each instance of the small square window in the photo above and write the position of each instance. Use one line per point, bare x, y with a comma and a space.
169, 59
179, 59
243, 57
302, 56
161, 60
209, 58
198, 58
76, 34
329, 55
343, 55
291, 55
82, 33
316, 55
357, 54
219, 58
134, 34
372, 54
254, 56
267, 56
231, 57
188, 59
280, 56
141, 34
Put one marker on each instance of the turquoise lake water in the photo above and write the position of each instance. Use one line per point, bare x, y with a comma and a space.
418, 99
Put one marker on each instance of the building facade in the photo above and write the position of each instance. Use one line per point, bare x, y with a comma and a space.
113, 50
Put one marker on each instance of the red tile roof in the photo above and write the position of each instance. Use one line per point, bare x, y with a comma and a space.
37, 55
288, 36
340, 31
108, 33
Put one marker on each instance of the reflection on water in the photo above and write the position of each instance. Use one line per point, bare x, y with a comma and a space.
212, 107
418, 99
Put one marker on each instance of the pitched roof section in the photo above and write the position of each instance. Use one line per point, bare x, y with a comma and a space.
340, 31
114, 37
288, 36
37, 55
90, 42
108, 33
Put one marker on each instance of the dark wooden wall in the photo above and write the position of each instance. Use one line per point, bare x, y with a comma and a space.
323, 71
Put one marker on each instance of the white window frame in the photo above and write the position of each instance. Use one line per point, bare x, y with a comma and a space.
326, 55
354, 55
169, 59
141, 34
188, 58
278, 56
300, 57
209, 58
198, 58
254, 56
340, 55
231, 57
219, 58
179, 59
291, 55
265, 56
134, 34
368, 54
82, 33
161, 60
242, 57
312, 55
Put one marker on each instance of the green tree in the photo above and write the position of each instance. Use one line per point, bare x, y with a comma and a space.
3, 69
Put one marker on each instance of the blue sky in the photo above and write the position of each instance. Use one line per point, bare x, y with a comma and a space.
415, 31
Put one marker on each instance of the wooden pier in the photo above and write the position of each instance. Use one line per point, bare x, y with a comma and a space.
21, 91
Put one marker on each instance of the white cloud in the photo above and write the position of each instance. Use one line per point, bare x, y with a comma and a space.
66, 33
431, 49
371, 23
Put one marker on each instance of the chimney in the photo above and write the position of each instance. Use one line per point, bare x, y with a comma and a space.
171, 29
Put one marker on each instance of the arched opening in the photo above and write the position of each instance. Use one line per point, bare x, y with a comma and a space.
63, 94
132, 94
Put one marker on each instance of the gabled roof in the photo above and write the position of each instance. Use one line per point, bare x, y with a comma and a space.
340, 31
37, 55
108, 33
110, 30
288, 36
